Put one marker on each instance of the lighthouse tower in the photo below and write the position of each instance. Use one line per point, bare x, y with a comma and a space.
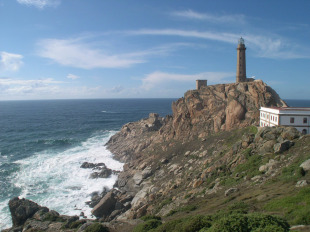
241, 68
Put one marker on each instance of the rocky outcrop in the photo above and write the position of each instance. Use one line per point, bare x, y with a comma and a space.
220, 107
28, 216
199, 113
22, 209
105, 206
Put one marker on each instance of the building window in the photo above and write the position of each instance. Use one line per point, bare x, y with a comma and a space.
292, 120
304, 132
305, 120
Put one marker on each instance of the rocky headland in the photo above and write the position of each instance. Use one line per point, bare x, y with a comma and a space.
208, 157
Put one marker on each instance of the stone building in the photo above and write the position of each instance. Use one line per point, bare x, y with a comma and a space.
200, 84
241, 65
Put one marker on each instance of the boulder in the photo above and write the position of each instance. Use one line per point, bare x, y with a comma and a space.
269, 166
137, 178
306, 165
267, 147
140, 197
231, 191
290, 133
22, 209
301, 183
283, 146
105, 206
146, 172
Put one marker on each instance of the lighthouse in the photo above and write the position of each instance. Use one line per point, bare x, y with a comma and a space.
241, 68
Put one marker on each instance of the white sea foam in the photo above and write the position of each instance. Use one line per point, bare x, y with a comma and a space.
55, 180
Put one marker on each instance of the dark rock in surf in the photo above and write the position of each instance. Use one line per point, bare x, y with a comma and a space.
92, 165
22, 209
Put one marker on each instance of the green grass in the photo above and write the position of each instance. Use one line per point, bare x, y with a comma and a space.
296, 209
250, 167
187, 208
147, 226
221, 222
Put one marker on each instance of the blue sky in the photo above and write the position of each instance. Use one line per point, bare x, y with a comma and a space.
58, 49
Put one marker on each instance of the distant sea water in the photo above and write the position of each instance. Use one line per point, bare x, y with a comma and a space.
297, 103
44, 143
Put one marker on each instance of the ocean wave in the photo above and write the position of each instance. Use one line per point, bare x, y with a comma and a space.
54, 178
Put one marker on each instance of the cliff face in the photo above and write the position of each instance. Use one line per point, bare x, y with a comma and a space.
220, 107
198, 114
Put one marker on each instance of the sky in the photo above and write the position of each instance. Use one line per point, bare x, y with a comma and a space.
81, 49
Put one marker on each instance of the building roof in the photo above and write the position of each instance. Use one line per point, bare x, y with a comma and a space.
287, 110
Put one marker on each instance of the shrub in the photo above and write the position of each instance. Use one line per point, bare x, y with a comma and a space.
194, 224
260, 221
148, 225
232, 223
190, 224
96, 227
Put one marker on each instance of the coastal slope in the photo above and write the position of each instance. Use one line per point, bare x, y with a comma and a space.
209, 155
199, 113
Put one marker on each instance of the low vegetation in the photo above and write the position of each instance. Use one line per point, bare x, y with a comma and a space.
234, 220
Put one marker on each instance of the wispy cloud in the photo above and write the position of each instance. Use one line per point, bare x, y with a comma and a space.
264, 46
75, 53
224, 37
72, 76
156, 78
40, 3
78, 53
190, 14
10, 61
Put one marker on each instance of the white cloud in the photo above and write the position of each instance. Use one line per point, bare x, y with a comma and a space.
264, 46
190, 14
156, 78
40, 3
10, 61
72, 76
74, 53
224, 37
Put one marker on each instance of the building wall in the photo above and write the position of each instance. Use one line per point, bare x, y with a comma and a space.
268, 119
300, 122
200, 84
297, 119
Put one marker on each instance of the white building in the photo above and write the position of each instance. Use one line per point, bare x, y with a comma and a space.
286, 116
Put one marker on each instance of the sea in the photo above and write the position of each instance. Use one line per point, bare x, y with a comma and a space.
43, 144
